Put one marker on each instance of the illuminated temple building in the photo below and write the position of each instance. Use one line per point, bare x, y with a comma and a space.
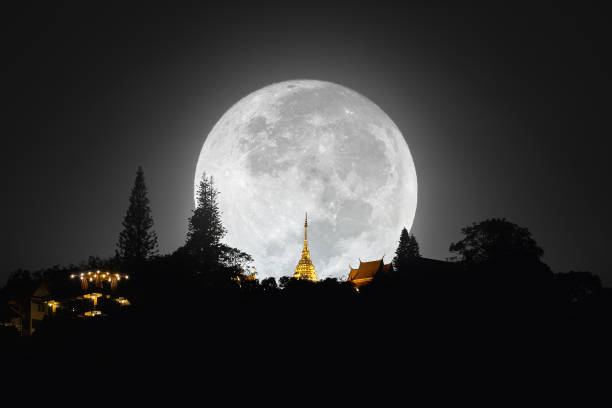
305, 269
366, 271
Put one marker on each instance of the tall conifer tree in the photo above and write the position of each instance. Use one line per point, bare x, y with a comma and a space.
205, 230
137, 240
407, 250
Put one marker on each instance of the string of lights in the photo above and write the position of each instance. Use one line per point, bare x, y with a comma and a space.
97, 278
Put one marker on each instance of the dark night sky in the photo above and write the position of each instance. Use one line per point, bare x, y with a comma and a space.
505, 110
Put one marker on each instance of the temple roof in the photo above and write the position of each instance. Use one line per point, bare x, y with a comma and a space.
367, 270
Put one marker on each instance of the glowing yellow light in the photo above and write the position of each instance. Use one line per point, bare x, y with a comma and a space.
99, 277
53, 305
305, 269
93, 296
93, 313
123, 301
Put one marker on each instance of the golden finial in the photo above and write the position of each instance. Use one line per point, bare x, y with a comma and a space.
306, 227
305, 269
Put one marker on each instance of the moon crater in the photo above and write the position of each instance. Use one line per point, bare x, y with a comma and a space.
313, 146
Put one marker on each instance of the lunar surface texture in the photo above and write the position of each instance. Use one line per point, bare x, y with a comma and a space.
317, 147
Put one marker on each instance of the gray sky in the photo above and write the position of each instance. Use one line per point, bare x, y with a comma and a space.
505, 110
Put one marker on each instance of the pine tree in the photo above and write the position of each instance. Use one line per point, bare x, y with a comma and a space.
205, 230
137, 241
413, 247
407, 250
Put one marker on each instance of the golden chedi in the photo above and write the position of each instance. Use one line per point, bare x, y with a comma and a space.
305, 269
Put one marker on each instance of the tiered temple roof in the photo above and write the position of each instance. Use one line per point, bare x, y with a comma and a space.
366, 271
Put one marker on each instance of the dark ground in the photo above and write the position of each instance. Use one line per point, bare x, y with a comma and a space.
399, 334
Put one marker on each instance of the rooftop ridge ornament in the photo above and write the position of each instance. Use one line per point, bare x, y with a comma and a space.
305, 269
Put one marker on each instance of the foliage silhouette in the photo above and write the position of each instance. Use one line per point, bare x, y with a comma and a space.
186, 311
137, 240
496, 240
203, 249
407, 250
205, 230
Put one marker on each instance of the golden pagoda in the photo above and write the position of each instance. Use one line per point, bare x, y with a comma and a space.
305, 269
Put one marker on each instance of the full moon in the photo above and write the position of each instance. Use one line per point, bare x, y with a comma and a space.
310, 146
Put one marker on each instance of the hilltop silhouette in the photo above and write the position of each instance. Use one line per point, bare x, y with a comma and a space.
202, 306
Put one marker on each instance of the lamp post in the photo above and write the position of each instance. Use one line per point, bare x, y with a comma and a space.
53, 305
94, 297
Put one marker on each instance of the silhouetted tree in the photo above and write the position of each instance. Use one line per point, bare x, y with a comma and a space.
577, 287
504, 256
96, 262
269, 285
205, 232
496, 240
137, 241
235, 259
408, 249
284, 281
19, 278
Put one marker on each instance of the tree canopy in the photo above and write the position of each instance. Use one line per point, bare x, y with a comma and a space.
496, 240
408, 249
137, 240
205, 232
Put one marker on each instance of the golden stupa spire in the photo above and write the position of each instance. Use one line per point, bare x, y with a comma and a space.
306, 232
305, 269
